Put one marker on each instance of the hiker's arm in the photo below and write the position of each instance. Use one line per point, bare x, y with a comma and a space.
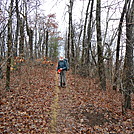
65, 67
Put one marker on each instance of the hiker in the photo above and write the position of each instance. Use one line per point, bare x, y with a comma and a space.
61, 69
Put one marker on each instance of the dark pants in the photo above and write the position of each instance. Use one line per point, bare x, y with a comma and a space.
63, 78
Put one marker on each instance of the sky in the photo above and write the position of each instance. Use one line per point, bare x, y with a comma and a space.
59, 7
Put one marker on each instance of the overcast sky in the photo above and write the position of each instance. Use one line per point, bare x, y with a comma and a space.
59, 7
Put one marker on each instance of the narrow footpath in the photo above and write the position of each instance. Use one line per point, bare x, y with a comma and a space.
55, 108
61, 121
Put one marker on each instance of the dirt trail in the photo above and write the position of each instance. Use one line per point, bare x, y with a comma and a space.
54, 108
61, 122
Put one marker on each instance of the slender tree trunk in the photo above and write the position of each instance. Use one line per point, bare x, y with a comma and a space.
78, 46
89, 34
116, 73
9, 45
36, 31
46, 44
39, 45
129, 60
72, 37
66, 45
31, 43
17, 29
84, 36
69, 29
101, 69
29, 33
43, 45
21, 45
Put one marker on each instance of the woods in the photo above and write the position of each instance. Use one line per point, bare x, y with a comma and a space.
97, 38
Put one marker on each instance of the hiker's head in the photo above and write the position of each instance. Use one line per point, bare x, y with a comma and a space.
61, 58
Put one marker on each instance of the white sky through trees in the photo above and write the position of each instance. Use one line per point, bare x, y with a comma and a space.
60, 8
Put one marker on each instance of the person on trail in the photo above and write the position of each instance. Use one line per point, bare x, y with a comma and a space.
61, 69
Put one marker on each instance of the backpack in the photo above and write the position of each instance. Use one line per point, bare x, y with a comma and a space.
67, 64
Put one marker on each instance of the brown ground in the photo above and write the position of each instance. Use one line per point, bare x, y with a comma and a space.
36, 105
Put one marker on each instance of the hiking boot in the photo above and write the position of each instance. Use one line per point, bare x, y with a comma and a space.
64, 84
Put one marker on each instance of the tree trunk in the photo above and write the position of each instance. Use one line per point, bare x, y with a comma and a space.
72, 37
84, 36
36, 48
17, 29
128, 66
116, 73
101, 69
29, 33
31, 43
69, 30
89, 34
46, 44
9, 46
21, 45
43, 45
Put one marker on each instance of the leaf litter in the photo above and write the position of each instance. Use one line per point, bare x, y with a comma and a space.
82, 107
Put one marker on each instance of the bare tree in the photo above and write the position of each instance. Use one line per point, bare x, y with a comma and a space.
9, 45
46, 43
128, 65
70, 32
17, 28
84, 35
116, 73
101, 69
89, 35
29, 32
21, 40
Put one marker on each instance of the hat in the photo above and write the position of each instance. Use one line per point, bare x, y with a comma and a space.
61, 58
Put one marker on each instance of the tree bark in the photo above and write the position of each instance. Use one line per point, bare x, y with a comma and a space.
46, 44
70, 35
101, 69
128, 66
36, 48
21, 44
89, 34
84, 36
17, 29
116, 73
43, 45
9, 45
29, 33
31, 43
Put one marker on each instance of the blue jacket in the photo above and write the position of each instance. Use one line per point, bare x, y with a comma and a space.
62, 64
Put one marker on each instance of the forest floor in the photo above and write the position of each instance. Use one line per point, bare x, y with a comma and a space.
37, 105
